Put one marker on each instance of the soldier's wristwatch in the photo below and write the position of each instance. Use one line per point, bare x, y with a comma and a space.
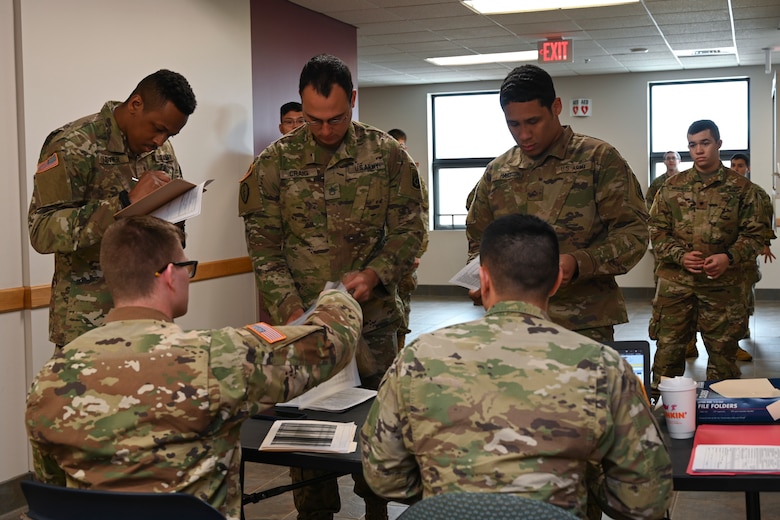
731, 258
124, 198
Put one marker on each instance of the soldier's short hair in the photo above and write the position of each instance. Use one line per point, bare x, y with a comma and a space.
676, 154
527, 83
290, 106
521, 252
322, 72
745, 157
133, 249
165, 85
702, 125
397, 134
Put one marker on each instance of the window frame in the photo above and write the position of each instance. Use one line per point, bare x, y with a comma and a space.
657, 158
438, 164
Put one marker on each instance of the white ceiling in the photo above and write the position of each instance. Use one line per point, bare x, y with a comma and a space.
395, 36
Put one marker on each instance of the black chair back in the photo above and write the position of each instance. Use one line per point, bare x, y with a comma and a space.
47, 502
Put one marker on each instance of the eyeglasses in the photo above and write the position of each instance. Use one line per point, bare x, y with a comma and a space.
334, 121
190, 265
299, 121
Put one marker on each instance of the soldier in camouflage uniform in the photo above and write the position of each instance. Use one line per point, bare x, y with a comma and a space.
581, 186
740, 163
139, 404
89, 169
514, 403
672, 162
705, 223
334, 200
408, 284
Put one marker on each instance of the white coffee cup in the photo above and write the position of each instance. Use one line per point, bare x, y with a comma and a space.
678, 395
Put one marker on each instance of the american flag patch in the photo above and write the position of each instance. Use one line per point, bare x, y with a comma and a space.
48, 164
266, 332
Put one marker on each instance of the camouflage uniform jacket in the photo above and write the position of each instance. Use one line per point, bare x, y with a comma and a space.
513, 403
141, 405
767, 213
83, 167
311, 216
719, 214
653, 189
585, 189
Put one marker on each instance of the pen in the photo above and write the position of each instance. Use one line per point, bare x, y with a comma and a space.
134, 178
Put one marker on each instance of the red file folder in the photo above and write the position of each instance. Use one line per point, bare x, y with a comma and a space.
739, 434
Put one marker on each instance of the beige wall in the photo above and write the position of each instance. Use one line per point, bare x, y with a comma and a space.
75, 55
620, 116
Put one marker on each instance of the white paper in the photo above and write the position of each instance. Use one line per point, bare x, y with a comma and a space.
310, 436
183, 207
468, 277
334, 395
736, 458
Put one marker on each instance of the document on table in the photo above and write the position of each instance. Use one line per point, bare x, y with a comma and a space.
732, 449
736, 458
337, 394
468, 277
311, 436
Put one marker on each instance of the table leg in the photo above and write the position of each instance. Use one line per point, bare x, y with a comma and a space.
752, 505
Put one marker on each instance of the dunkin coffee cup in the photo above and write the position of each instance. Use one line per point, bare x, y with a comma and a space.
678, 395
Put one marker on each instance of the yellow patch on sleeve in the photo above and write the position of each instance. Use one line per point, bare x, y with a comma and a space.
266, 332
48, 164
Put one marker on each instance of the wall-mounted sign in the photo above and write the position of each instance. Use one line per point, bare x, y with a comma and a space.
555, 51
581, 107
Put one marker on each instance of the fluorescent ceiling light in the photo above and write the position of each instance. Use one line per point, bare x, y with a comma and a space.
696, 53
524, 6
473, 59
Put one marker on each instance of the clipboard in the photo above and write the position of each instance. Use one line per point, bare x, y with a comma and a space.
159, 197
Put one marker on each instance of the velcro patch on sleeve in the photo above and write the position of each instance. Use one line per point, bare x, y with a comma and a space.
48, 164
266, 332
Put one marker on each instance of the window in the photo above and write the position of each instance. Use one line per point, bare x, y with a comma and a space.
675, 105
469, 131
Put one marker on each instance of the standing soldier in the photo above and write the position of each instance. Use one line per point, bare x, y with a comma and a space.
705, 222
582, 187
337, 200
740, 163
89, 169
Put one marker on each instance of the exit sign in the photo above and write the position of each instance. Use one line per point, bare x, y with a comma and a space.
555, 51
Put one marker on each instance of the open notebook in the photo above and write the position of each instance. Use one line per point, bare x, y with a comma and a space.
637, 353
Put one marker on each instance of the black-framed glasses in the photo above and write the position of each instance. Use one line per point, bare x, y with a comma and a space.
299, 121
190, 265
333, 121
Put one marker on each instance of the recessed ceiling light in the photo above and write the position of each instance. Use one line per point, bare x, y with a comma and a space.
695, 53
474, 59
638, 50
524, 6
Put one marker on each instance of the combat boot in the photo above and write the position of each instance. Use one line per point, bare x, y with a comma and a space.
743, 355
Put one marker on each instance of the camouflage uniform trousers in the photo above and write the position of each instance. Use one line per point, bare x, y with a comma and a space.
679, 311
406, 287
752, 277
321, 501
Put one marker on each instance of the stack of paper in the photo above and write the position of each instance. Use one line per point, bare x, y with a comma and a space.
310, 436
337, 394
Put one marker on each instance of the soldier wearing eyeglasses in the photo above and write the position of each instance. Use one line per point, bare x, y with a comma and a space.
290, 117
336, 200
141, 405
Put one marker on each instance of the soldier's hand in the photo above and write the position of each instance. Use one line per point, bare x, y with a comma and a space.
294, 316
476, 296
569, 268
360, 283
147, 183
767, 254
693, 262
715, 265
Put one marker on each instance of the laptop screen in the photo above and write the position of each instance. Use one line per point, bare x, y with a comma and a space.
637, 353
